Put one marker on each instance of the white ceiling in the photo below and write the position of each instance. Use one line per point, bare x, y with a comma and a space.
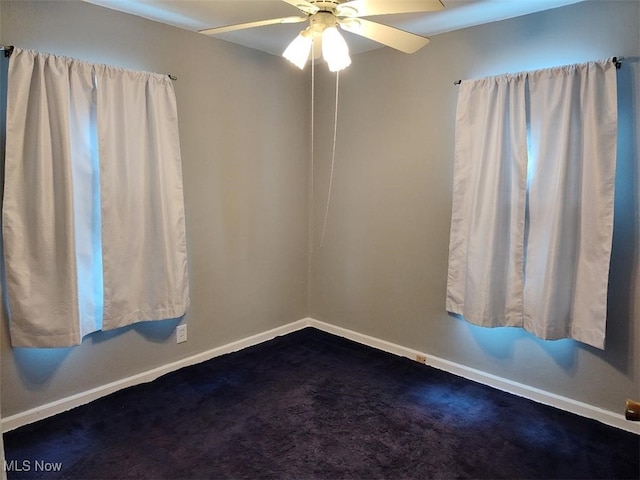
200, 14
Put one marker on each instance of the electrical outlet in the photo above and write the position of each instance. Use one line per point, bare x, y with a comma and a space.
421, 358
181, 333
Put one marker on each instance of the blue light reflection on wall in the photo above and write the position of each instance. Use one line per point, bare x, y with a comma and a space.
500, 343
37, 365
511, 334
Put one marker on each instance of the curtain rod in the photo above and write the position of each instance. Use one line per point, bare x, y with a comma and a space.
8, 50
617, 61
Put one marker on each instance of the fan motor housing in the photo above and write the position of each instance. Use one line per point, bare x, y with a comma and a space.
328, 6
321, 20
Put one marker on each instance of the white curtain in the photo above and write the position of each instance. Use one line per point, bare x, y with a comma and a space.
47, 98
143, 235
571, 192
485, 279
538, 258
74, 202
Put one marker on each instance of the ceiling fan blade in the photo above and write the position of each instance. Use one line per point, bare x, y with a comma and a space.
303, 5
390, 36
367, 8
242, 26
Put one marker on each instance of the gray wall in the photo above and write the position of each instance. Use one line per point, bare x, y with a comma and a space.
244, 140
383, 268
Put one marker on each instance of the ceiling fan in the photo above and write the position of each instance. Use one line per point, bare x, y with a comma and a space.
324, 17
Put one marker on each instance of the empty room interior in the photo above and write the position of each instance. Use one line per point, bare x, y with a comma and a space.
316, 201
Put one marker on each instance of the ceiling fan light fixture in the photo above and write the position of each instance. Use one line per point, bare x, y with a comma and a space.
335, 50
299, 49
325, 15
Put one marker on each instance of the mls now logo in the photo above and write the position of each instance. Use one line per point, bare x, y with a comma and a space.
35, 466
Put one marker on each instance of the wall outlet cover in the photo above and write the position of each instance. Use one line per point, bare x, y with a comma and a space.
181, 333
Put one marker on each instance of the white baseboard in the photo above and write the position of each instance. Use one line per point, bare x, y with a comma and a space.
563, 403
540, 396
38, 413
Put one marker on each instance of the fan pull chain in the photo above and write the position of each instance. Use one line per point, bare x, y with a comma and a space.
333, 161
311, 180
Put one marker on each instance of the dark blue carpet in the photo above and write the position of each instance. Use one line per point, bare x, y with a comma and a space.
310, 405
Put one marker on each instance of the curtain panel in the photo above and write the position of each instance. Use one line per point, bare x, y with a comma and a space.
532, 216
93, 214
574, 120
144, 251
488, 215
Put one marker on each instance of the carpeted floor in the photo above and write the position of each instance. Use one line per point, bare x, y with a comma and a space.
310, 405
